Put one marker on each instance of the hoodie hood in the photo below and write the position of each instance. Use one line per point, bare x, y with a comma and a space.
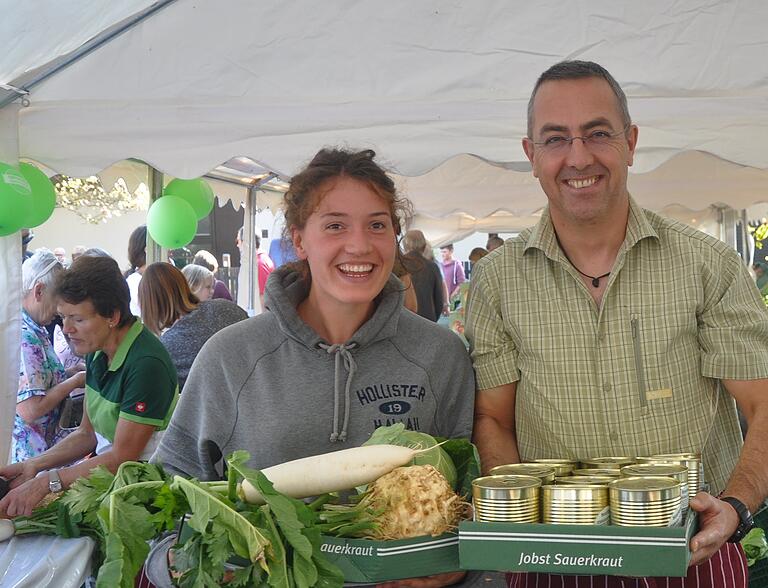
286, 288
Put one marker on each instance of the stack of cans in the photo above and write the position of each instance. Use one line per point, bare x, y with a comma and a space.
573, 504
563, 467
506, 499
644, 502
607, 463
543, 472
653, 469
692, 461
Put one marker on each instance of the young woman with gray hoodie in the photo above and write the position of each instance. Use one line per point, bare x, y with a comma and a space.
337, 354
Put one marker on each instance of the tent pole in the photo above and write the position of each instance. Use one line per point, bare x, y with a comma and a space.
154, 251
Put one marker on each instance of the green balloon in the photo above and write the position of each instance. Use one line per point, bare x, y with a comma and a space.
171, 222
196, 192
15, 199
43, 195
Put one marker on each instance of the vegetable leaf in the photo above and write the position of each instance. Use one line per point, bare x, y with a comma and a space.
113, 573
278, 562
467, 461
755, 545
397, 434
247, 541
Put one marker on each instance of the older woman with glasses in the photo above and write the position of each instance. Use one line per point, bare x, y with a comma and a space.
43, 384
131, 386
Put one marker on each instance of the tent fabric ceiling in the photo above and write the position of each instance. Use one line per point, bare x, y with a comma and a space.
197, 83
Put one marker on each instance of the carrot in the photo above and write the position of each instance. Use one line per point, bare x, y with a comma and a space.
331, 472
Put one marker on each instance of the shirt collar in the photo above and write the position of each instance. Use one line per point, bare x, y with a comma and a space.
30, 322
543, 237
125, 345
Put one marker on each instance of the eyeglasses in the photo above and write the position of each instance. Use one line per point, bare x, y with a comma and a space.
594, 141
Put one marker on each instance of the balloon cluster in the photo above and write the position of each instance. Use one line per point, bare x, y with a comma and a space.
27, 198
172, 219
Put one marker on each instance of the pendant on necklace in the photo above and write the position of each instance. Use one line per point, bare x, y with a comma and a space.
596, 282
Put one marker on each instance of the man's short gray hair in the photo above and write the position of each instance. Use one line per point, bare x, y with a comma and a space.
41, 268
577, 70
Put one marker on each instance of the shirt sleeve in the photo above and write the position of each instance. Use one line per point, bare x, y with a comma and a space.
733, 326
460, 277
149, 392
494, 353
33, 379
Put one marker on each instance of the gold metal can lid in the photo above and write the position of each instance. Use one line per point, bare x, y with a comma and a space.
544, 472
608, 462
678, 456
679, 472
585, 480
644, 489
613, 472
505, 487
562, 466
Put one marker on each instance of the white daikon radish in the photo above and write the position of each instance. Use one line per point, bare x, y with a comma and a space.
7, 529
331, 472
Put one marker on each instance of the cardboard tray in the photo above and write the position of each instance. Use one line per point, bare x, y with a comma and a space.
370, 562
367, 561
577, 549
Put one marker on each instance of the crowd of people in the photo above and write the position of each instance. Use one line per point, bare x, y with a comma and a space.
604, 329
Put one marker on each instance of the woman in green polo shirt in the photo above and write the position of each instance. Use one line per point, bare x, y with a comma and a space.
131, 386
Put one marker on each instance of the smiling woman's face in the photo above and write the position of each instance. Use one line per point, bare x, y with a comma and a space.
349, 243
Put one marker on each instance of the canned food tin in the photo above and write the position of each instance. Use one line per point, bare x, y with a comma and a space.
506, 498
677, 471
607, 462
585, 480
505, 487
612, 472
650, 501
544, 472
563, 467
690, 460
573, 504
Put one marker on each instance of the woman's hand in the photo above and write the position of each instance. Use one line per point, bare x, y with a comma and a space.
25, 497
18, 473
78, 380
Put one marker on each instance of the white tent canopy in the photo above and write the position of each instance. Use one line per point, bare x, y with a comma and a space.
190, 84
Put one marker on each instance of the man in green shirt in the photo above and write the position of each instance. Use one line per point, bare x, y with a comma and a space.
609, 330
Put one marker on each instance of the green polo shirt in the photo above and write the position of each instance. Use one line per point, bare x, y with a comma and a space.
640, 374
138, 385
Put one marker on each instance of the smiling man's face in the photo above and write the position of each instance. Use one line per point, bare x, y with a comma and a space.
584, 182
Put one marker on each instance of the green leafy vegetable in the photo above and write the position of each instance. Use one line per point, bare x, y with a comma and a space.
247, 541
397, 434
467, 461
755, 545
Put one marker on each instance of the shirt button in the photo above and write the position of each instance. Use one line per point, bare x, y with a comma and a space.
607, 387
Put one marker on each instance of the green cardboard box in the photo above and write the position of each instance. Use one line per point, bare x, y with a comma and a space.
370, 562
577, 549
367, 561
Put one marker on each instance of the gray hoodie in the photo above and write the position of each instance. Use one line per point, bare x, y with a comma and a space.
274, 387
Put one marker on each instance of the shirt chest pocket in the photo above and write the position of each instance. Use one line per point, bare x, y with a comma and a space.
664, 353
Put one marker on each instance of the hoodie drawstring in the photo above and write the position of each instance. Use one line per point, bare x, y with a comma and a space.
342, 352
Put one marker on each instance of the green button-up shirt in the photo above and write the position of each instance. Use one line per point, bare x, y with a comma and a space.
636, 376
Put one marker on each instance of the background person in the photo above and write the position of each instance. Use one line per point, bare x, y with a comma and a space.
137, 257
131, 387
43, 382
453, 271
494, 242
200, 280
425, 275
646, 318
208, 259
264, 263
184, 323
